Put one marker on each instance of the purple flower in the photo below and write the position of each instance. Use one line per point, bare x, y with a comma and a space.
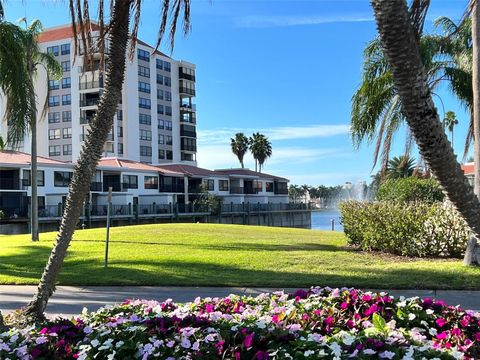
249, 340
261, 355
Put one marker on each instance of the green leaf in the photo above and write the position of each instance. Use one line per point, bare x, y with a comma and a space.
379, 323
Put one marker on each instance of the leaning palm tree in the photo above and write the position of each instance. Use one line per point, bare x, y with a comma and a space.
239, 146
400, 167
400, 44
118, 33
261, 149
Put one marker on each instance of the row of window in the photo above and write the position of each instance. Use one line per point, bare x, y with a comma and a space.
54, 117
55, 150
54, 100
164, 110
63, 49
164, 95
55, 84
145, 150
165, 154
145, 72
165, 139
163, 65
165, 124
54, 134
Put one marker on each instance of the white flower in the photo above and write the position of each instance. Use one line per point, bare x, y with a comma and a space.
308, 353
411, 316
336, 349
111, 356
387, 355
87, 330
196, 346
429, 311
432, 331
171, 344
369, 352
95, 343
41, 340
354, 354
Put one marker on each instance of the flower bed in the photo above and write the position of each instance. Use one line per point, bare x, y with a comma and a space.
319, 323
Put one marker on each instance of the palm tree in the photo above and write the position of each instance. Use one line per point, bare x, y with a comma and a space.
400, 167
376, 106
118, 35
261, 149
400, 44
239, 146
306, 191
294, 191
475, 8
449, 123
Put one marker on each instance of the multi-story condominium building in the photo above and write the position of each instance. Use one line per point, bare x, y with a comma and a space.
155, 121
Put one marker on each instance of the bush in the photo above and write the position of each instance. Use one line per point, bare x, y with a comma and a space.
319, 323
410, 229
410, 189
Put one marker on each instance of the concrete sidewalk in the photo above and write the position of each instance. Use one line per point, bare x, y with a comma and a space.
70, 300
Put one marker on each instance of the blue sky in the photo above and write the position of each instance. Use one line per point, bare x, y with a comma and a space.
285, 68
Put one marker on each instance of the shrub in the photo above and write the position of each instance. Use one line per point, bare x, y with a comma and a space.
1, 214
410, 189
410, 229
319, 323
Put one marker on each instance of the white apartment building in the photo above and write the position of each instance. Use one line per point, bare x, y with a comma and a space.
155, 121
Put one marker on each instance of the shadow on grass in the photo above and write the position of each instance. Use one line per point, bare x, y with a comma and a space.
29, 263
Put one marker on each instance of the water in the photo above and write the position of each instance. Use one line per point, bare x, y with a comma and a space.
322, 220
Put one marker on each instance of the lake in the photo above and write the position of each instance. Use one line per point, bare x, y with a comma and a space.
322, 220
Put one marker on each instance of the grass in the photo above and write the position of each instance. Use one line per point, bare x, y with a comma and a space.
226, 255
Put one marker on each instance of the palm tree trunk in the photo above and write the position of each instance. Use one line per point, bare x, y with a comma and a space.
33, 183
88, 160
401, 48
476, 95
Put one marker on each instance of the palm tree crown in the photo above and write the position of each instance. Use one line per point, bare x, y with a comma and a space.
400, 167
261, 149
239, 146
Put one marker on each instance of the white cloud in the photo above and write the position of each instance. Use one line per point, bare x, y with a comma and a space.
223, 135
260, 21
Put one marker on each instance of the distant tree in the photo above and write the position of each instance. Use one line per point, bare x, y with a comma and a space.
306, 191
400, 167
239, 146
261, 149
449, 122
2, 144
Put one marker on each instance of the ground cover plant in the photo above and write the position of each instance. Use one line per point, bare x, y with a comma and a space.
226, 255
318, 323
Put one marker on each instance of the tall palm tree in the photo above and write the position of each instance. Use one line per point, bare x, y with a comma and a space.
400, 167
118, 34
239, 146
400, 44
261, 149
306, 191
449, 123
376, 107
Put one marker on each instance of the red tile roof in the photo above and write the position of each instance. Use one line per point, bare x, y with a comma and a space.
133, 165
188, 170
248, 172
468, 168
21, 158
59, 33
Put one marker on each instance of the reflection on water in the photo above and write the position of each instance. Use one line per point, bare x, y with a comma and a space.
322, 220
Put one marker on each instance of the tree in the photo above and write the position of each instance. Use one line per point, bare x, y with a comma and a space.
306, 191
400, 167
117, 32
400, 44
2, 144
294, 191
475, 7
239, 146
449, 122
376, 106
261, 149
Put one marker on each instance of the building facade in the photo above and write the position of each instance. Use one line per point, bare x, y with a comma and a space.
156, 119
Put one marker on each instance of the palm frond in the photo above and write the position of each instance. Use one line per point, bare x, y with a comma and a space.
171, 11
418, 13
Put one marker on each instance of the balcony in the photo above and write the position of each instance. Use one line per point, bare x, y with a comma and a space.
236, 190
188, 91
185, 147
90, 85
185, 76
10, 184
187, 133
85, 120
250, 191
96, 186
89, 102
188, 107
172, 188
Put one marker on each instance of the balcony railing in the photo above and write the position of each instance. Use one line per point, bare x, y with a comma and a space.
250, 190
182, 75
236, 190
154, 209
10, 184
84, 120
171, 188
188, 147
89, 102
96, 186
184, 90
192, 134
192, 107
90, 85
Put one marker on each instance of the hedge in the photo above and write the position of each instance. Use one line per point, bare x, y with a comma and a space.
410, 189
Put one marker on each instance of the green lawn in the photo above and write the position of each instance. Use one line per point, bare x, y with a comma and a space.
225, 255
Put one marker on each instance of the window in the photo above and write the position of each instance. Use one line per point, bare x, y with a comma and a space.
161, 139
145, 135
168, 110
168, 140
160, 109
53, 85
168, 125
119, 115
223, 185
53, 50
167, 81
66, 116
144, 103
159, 64
169, 155
54, 100
188, 144
40, 178
145, 119
161, 124
62, 178
120, 131
151, 182
145, 151
159, 94
144, 87
259, 186
53, 134
168, 96
66, 99
209, 184
67, 133
53, 117
66, 66
66, 83
65, 49
269, 186
143, 71
130, 182
120, 149
166, 66
161, 154
159, 79
143, 55
54, 150
67, 149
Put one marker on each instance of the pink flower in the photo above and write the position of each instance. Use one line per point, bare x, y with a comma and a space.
477, 336
440, 322
366, 297
456, 332
237, 356
465, 321
350, 324
372, 309
209, 308
344, 305
249, 340
275, 319
329, 321
442, 336
261, 355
